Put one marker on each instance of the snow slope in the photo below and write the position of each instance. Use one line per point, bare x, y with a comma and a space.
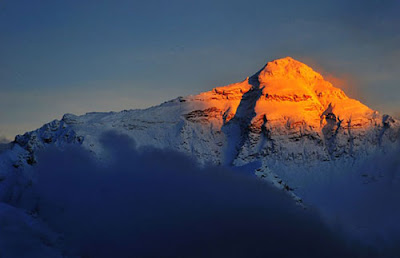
22, 234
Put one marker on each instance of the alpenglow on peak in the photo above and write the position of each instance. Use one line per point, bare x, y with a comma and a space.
287, 91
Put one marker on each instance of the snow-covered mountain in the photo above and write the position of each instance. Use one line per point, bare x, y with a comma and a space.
284, 116
285, 124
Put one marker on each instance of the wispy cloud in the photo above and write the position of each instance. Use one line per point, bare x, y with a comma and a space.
159, 203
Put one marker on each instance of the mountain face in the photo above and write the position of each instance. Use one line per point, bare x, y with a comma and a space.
284, 116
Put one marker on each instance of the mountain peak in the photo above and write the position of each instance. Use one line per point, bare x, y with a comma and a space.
292, 89
288, 90
289, 69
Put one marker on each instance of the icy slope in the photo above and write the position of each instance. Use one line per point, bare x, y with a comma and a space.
284, 116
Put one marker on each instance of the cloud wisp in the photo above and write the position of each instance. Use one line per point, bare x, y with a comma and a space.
158, 203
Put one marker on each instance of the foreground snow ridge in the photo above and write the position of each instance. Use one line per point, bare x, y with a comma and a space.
284, 116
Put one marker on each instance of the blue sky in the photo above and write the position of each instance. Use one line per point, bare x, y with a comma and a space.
61, 57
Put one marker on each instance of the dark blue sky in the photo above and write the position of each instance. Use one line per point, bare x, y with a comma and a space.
80, 56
